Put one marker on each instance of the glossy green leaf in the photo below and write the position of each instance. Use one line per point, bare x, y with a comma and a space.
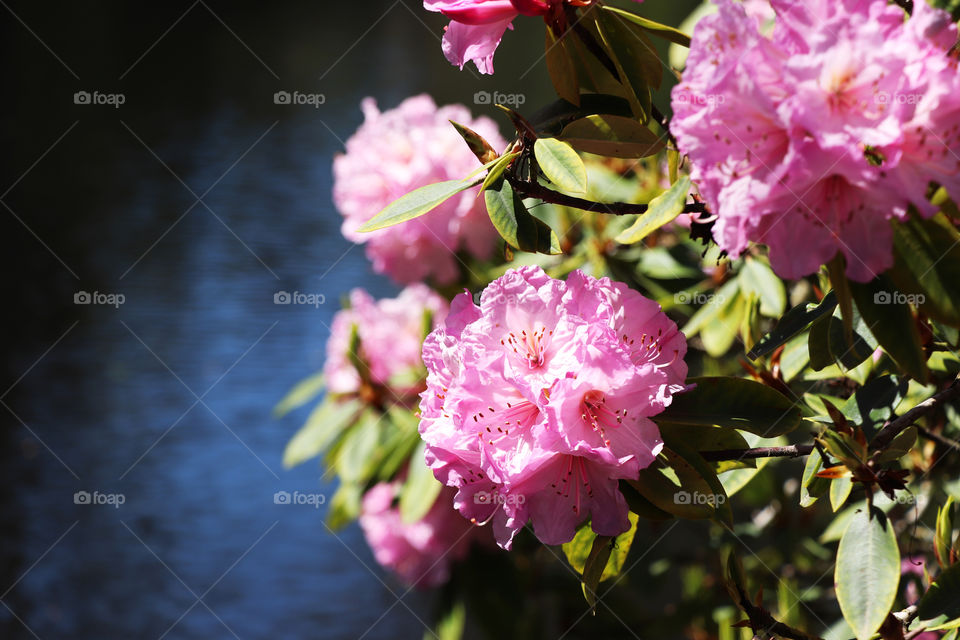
662, 210
515, 224
720, 334
420, 490
734, 402
358, 451
839, 491
927, 262
892, 323
943, 535
795, 321
867, 573
759, 278
579, 549
302, 393
941, 602
655, 28
612, 136
497, 170
324, 424
560, 66
416, 203
811, 486
561, 164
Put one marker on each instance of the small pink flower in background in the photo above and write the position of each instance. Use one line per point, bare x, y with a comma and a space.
538, 401
395, 152
477, 26
811, 140
420, 553
391, 333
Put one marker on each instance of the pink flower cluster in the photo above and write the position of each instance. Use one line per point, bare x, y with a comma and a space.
390, 332
538, 401
400, 150
422, 552
811, 140
477, 26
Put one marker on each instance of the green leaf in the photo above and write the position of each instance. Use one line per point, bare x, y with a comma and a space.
420, 490
839, 492
612, 136
811, 486
451, 625
734, 402
579, 549
673, 485
927, 262
661, 210
819, 344
841, 287
943, 537
941, 602
561, 164
563, 73
893, 325
302, 393
850, 354
795, 321
594, 566
344, 505
719, 335
497, 170
359, 447
718, 499
416, 203
867, 572
324, 424
703, 438
759, 278
655, 28
515, 224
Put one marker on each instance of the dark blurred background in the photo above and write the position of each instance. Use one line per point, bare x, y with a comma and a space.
196, 199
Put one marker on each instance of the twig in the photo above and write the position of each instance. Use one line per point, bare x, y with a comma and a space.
763, 624
893, 428
791, 451
529, 189
939, 438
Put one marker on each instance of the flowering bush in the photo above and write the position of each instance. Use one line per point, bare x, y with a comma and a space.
423, 148
811, 140
420, 552
540, 399
388, 334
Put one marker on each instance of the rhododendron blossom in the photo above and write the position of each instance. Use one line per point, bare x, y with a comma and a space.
400, 150
539, 400
390, 332
420, 553
477, 26
810, 140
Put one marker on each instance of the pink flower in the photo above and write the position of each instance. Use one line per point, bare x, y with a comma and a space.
811, 140
477, 26
390, 332
420, 553
538, 401
396, 152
